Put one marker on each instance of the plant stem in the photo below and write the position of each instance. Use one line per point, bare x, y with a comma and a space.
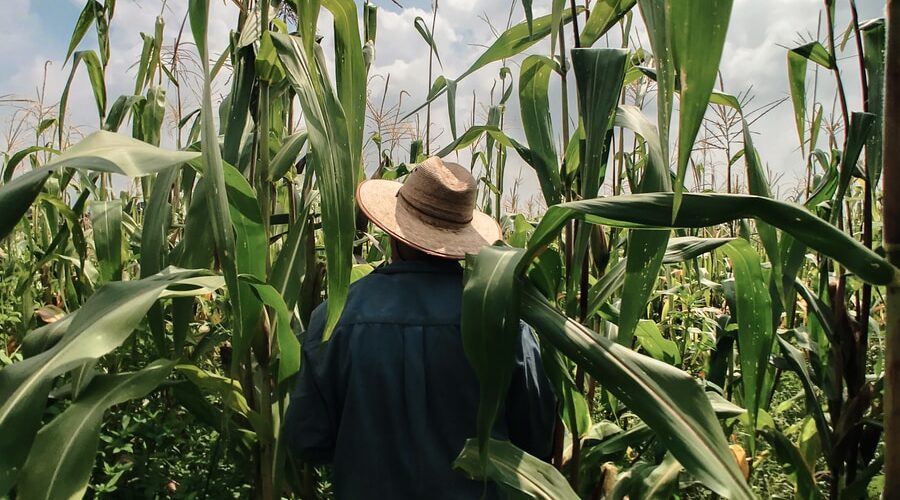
866, 300
837, 72
430, 66
891, 219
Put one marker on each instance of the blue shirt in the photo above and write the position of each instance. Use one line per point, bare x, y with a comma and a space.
391, 398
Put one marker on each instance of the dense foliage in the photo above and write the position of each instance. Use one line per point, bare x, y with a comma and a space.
700, 342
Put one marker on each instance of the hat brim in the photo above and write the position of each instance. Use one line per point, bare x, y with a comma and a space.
377, 198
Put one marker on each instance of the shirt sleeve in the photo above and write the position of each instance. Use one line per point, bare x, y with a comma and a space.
310, 422
531, 403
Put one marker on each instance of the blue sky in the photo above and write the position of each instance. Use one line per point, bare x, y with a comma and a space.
754, 58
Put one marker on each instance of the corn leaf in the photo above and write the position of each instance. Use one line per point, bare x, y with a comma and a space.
534, 106
604, 15
517, 472
511, 42
873, 35
556, 15
815, 52
426, 35
703, 210
100, 151
698, 30
666, 398
82, 25
755, 327
213, 169
797, 363
102, 324
797, 81
329, 137
98, 86
659, 30
489, 328
796, 465
106, 221
350, 73
250, 244
287, 156
860, 129
598, 75
62, 456
646, 248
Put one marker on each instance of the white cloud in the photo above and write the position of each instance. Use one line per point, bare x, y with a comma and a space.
753, 57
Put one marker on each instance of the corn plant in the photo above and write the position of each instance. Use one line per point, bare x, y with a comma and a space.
672, 349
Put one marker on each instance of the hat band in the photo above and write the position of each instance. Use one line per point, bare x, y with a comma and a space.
433, 215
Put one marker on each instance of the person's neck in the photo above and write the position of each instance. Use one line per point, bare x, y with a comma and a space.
401, 252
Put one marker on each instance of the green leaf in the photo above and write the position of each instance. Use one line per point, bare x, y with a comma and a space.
511, 42
534, 106
793, 461
649, 483
237, 103
490, 328
797, 81
573, 408
658, 347
82, 25
100, 151
213, 170
698, 36
598, 74
860, 127
797, 363
873, 35
102, 324
98, 85
604, 15
250, 244
291, 266
659, 30
268, 69
517, 472
423, 30
106, 221
152, 115
685, 248
288, 345
703, 210
287, 156
529, 14
198, 11
329, 137
350, 73
556, 15
62, 456
666, 398
515, 40
646, 248
815, 52
755, 330
154, 245
20, 155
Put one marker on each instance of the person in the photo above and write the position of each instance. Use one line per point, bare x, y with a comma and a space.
390, 398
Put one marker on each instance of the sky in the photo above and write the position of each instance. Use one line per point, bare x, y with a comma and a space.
754, 59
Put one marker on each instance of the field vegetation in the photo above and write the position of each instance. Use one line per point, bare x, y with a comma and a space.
705, 339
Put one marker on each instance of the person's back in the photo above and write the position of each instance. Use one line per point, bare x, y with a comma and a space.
390, 399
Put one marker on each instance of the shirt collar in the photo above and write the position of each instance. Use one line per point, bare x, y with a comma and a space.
432, 266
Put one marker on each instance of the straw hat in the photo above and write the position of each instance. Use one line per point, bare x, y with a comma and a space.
433, 211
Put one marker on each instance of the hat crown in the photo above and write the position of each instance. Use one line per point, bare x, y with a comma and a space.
443, 192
